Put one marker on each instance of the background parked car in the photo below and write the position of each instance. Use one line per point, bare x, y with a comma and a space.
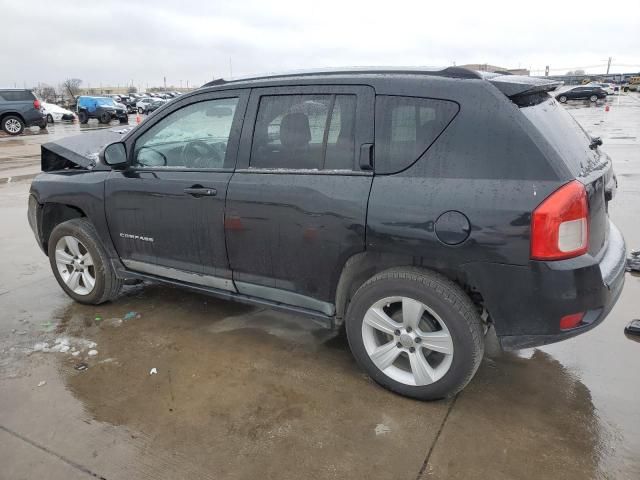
144, 102
55, 113
154, 105
104, 109
582, 93
20, 109
607, 87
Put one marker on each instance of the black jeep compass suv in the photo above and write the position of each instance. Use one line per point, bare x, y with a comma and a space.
415, 208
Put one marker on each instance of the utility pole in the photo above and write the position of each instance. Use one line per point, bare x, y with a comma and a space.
165, 83
608, 65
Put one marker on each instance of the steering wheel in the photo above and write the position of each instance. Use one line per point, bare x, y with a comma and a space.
199, 154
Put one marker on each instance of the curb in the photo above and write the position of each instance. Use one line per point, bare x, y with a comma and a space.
17, 178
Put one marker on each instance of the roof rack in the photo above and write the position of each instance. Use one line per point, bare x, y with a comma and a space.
452, 72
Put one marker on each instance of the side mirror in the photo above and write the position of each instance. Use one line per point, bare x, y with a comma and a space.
115, 155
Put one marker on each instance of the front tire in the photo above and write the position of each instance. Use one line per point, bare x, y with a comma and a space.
140, 110
13, 125
593, 98
416, 333
80, 263
83, 117
562, 99
105, 118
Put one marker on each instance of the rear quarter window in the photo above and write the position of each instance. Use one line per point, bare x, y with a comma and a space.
406, 127
16, 95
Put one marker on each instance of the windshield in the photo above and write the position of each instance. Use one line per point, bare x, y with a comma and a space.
565, 135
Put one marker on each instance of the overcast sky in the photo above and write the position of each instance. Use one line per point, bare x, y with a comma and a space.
114, 42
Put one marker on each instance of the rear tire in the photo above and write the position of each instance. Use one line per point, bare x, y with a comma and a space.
91, 281
13, 125
49, 118
593, 98
402, 305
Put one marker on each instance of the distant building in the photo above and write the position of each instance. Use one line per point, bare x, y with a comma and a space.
485, 67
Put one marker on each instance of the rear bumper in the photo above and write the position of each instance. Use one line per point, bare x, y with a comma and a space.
526, 303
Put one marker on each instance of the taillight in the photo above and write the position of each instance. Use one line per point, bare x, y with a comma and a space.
560, 224
571, 321
36, 104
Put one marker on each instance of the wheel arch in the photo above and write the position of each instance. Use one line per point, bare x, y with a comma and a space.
11, 114
362, 266
53, 214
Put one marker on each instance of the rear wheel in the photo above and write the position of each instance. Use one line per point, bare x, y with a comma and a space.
593, 98
415, 333
80, 263
562, 99
13, 125
49, 118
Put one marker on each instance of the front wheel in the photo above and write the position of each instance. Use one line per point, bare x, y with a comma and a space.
80, 263
593, 98
416, 333
83, 117
140, 110
105, 118
562, 99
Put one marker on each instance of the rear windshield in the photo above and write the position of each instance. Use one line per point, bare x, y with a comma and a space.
564, 134
16, 95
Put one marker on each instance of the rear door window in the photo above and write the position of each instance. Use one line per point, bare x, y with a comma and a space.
304, 132
406, 127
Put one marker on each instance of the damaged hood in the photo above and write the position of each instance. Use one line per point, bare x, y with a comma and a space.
80, 151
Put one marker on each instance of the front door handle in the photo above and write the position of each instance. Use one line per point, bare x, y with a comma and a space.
199, 191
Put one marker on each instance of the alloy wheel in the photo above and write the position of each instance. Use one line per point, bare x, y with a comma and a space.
75, 265
407, 341
12, 125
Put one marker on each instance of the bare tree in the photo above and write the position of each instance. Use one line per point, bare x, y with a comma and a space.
132, 89
576, 72
46, 92
71, 87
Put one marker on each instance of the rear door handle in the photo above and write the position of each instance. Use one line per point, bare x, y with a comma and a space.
198, 191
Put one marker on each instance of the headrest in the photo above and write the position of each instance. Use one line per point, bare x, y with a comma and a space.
294, 130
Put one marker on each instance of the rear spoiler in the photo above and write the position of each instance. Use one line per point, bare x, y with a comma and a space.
517, 85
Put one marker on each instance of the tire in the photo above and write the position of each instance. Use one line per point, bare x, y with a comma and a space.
49, 118
124, 120
626, 89
450, 323
83, 117
13, 125
140, 110
593, 98
562, 99
105, 118
106, 285
43, 124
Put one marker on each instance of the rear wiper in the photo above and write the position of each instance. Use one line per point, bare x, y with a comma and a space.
595, 143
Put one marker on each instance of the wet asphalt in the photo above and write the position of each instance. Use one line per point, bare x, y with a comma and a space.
243, 392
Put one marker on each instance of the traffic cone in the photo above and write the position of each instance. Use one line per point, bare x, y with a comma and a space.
138, 119
606, 108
